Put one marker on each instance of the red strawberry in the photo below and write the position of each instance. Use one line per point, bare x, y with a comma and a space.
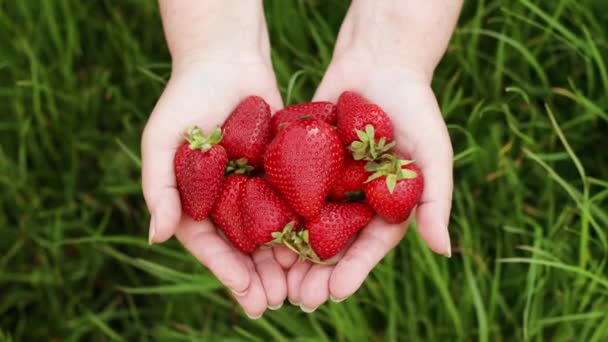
199, 169
329, 232
349, 184
302, 162
264, 211
394, 190
226, 213
347, 101
322, 110
247, 131
364, 124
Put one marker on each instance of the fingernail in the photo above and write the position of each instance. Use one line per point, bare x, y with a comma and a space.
239, 294
307, 309
336, 300
276, 307
152, 231
448, 243
254, 317
293, 302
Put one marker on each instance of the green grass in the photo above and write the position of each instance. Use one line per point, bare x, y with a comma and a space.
523, 88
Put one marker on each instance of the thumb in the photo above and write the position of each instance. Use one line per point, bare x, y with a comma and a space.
331, 87
432, 150
159, 186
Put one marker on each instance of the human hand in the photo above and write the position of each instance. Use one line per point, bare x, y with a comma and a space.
205, 86
377, 63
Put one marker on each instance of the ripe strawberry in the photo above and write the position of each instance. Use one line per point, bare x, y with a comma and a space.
363, 127
199, 168
247, 131
264, 211
226, 213
328, 233
394, 190
302, 162
347, 101
349, 184
322, 110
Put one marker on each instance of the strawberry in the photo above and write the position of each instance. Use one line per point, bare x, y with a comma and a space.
199, 167
322, 110
226, 213
264, 211
302, 162
394, 189
347, 101
363, 127
328, 233
247, 131
349, 184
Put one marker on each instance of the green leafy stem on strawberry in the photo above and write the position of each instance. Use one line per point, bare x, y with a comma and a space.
238, 167
380, 162
198, 139
298, 242
367, 148
391, 167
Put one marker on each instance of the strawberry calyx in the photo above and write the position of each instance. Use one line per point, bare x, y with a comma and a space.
282, 125
199, 141
298, 242
367, 148
353, 196
392, 168
279, 237
238, 167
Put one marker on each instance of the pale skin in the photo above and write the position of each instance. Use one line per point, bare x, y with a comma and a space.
386, 50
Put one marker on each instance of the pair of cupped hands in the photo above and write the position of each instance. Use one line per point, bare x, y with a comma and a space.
203, 90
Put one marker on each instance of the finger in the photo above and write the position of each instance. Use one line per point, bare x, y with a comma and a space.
327, 90
314, 289
433, 154
373, 243
433, 212
225, 262
254, 301
272, 277
284, 256
273, 98
333, 84
294, 279
159, 187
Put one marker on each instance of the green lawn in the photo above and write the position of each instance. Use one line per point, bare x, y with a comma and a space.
523, 88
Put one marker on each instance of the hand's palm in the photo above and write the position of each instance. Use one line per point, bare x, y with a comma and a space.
421, 135
205, 96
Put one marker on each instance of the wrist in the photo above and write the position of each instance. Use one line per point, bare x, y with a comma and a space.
215, 31
395, 34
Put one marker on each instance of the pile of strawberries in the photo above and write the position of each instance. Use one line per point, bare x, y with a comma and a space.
309, 177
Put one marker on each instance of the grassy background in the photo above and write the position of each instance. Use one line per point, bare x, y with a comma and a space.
523, 87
